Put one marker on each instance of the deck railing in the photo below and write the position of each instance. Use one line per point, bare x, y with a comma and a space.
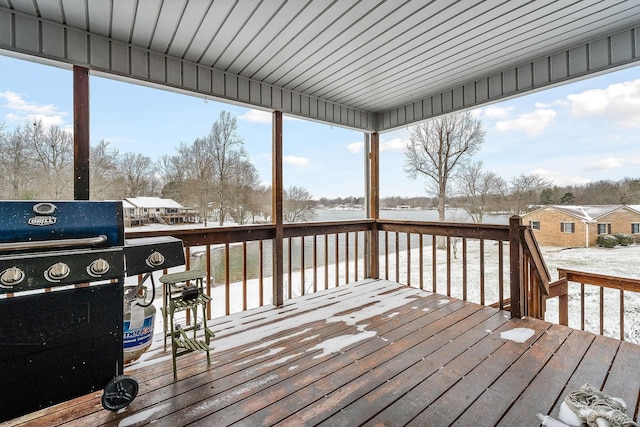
595, 302
484, 263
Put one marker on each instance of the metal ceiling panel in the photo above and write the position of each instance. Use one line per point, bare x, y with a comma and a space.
318, 31
99, 17
123, 16
190, 23
74, 14
145, 22
416, 80
205, 34
370, 64
166, 25
266, 38
250, 32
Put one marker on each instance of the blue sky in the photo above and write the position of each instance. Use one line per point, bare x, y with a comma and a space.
571, 134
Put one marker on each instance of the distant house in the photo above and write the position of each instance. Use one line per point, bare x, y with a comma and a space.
129, 214
580, 226
156, 209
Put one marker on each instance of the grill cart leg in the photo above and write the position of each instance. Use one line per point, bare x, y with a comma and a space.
119, 392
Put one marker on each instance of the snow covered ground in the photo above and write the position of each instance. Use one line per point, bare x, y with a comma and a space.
619, 261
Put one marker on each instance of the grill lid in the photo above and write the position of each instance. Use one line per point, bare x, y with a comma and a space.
27, 226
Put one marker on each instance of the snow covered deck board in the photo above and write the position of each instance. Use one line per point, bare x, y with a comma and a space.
372, 353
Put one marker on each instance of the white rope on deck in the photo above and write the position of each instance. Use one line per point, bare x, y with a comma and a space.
591, 406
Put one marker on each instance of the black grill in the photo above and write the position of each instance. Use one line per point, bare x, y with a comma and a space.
66, 340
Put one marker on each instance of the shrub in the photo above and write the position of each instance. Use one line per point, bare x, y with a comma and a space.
625, 239
607, 240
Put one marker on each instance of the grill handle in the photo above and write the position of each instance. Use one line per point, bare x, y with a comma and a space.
47, 244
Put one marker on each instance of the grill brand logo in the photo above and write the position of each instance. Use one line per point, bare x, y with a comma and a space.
42, 220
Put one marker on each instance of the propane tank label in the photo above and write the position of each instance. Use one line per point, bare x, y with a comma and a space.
138, 337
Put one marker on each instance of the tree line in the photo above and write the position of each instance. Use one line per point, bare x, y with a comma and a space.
215, 175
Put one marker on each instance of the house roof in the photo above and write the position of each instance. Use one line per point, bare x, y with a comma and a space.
373, 65
127, 205
154, 202
586, 212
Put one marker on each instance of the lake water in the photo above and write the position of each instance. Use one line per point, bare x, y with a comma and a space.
254, 255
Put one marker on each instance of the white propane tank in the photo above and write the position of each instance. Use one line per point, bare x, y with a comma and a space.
139, 319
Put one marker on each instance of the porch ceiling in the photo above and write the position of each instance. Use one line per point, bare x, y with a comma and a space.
372, 64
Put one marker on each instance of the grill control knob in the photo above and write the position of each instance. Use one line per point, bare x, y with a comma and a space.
11, 277
98, 267
156, 259
57, 272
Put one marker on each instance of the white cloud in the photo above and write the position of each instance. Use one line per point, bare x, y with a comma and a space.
259, 116
493, 112
256, 116
560, 177
607, 163
295, 160
355, 147
531, 123
22, 110
619, 103
396, 144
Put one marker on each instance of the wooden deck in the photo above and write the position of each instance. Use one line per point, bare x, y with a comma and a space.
371, 353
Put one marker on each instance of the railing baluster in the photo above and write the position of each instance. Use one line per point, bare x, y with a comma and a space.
601, 311
289, 269
355, 255
482, 271
244, 276
209, 277
408, 237
346, 257
326, 261
433, 264
464, 268
337, 259
501, 275
582, 306
260, 273
621, 314
315, 263
386, 255
448, 243
421, 261
301, 265
397, 256
227, 281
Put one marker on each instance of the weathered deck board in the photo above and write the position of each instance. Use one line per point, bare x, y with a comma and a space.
371, 353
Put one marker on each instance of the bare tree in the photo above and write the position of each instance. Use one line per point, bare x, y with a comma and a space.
16, 167
227, 154
103, 171
481, 190
525, 190
243, 183
52, 149
297, 205
137, 173
438, 147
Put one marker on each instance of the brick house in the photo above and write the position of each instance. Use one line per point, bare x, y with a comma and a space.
579, 226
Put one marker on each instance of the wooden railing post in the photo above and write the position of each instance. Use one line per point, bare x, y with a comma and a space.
374, 205
515, 260
276, 216
81, 133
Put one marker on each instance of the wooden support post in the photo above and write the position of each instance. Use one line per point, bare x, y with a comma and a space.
515, 258
276, 211
374, 204
80, 133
